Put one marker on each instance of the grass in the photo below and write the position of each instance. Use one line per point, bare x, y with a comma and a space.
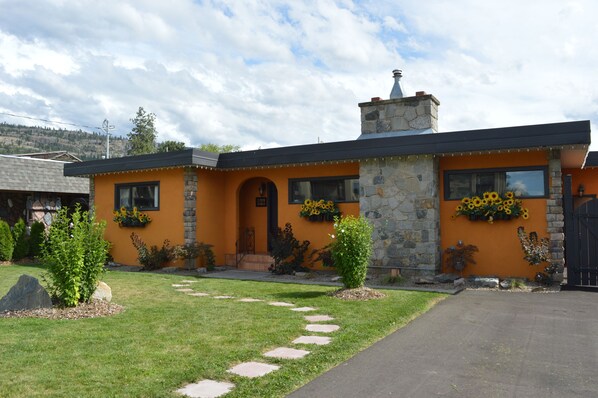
166, 339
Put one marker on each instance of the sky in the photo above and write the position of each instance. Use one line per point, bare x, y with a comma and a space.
267, 73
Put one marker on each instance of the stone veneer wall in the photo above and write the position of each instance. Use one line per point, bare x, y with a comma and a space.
401, 114
400, 197
190, 205
554, 212
92, 192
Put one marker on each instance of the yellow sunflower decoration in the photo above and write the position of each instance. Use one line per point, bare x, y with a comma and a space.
492, 206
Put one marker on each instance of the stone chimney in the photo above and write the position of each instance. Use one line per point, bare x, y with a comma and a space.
399, 116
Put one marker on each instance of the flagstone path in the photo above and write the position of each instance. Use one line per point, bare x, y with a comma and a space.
213, 388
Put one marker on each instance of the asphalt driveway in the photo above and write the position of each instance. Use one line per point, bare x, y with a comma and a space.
479, 344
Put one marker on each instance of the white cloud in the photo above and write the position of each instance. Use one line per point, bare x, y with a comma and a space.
278, 72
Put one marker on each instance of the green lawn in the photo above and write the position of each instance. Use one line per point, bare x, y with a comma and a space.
166, 339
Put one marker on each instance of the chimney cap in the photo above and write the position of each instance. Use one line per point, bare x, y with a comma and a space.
397, 72
397, 90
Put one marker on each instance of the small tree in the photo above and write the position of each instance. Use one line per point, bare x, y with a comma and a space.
21, 241
352, 249
287, 251
6, 242
74, 253
36, 238
209, 147
142, 137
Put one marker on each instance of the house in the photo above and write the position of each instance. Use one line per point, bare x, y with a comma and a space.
35, 188
401, 174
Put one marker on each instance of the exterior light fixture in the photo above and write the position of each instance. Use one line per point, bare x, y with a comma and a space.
262, 189
581, 190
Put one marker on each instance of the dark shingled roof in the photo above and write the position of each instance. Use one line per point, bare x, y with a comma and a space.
552, 135
592, 159
38, 175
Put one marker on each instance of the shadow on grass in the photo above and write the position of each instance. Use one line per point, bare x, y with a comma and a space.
300, 295
30, 264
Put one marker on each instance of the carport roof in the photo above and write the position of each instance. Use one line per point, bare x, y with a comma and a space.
572, 137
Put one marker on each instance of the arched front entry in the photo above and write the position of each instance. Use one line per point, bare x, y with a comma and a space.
258, 215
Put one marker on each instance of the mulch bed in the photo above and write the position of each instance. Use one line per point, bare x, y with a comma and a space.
357, 294
95, 309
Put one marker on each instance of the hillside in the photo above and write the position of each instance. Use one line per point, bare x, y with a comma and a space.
16, 139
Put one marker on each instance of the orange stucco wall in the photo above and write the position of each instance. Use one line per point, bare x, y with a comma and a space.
499, 253
211, 211
589, 178
241, 189
167, 222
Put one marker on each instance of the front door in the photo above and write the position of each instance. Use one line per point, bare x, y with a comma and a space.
272, 212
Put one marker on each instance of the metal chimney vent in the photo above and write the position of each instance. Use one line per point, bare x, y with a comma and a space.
397, 90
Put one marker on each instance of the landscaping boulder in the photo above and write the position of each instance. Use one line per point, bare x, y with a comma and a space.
102, 292
446, 278
26, 294
486, 282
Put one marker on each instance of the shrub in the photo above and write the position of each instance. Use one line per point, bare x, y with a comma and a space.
459, 256
36, 238
21, 240
191, 251
6, 242
154, 257
74, 253
288, 253
351, 249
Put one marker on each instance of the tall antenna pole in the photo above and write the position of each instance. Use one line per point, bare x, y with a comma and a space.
107, 127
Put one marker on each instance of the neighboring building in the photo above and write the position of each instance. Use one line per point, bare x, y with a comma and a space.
401, 174
34, 189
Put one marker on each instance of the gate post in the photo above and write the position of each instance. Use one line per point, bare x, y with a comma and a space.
570, 239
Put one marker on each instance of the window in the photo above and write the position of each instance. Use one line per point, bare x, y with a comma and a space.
526, 182
338, 189
143, 195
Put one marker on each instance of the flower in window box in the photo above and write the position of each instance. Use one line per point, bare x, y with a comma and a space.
492, 206
319, 210
130, 218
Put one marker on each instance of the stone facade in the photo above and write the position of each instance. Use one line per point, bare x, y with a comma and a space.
554, 213
92, 192
190, 206
400, 198
401, 114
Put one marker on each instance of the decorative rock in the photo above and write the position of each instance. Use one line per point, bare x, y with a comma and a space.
322, 328
486, 282
206, 389
169, 270
301, 274
318, 318
286, 353
202, 270
317, 340
281, 304
102, 292
336, 279
26, 294
253, 369
424, 280
303, 309
459, 282
445, 278
506, 284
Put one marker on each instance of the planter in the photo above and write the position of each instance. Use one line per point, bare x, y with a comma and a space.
320, 217
132, 224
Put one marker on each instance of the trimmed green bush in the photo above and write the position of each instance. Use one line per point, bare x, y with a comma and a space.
74, 253
36, 238
351, 249
6, 242
21, 240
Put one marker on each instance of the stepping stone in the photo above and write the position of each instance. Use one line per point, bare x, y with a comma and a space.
317, 340
199, 294
318, 318
286, 353
253, 369
188, 281
322, 328
303, 309
184, 290
281, 304
250, 300
206, 389
223, 297
179, 285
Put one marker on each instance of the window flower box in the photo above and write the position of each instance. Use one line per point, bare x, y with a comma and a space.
131, 219
319, 210
491, 207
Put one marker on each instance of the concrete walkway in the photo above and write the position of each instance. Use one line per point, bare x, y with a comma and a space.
479, 344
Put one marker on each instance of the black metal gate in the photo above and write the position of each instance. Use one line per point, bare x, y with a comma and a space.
581, 237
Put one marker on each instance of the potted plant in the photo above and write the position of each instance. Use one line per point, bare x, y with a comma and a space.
459, 256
